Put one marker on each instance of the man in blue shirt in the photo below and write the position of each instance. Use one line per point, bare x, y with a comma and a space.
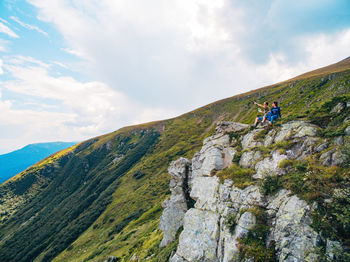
275, 112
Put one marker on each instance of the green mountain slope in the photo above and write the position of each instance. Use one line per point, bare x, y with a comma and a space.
103, 197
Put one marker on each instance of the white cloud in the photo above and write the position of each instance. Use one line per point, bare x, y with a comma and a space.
6, 30
21, 60
75, 53
20, 127
60, 64
61, 108
28, 26
4, 21
175, 54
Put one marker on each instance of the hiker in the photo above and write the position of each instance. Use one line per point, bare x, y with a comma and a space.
266, 108
275, 112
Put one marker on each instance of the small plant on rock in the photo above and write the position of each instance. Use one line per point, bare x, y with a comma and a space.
270, 185
241, 177
301, 166
231, 222
253, 245
286, 163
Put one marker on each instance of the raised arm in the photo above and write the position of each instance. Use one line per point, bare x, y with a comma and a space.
255, 103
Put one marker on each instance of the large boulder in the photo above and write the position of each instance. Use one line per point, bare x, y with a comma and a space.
333, 157
296, 129
246, 198
302, 148
294, 238
275, 201
199, 239
227, 127
228, 244
269, 166
249, 158
216, 154
205, 193
176, 206
249, 141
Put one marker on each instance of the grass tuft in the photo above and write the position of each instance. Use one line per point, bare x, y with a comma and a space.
241, 177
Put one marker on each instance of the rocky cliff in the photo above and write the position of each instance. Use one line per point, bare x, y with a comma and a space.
226, 214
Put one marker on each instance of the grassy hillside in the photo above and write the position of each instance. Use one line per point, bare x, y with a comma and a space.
103, 197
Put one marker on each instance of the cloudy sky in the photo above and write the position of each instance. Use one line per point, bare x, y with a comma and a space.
73, 69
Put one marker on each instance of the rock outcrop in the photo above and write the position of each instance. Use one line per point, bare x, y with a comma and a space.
176, 206
208, 233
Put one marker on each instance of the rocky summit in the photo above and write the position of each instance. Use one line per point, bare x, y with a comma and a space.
225, 216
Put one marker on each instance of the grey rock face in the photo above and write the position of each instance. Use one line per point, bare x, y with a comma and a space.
215, 154
228, 250
249, 141
205, 193
176, 206
226, 126
302, 148
275, 202
338, 159
333, 158
199, 239
249, 158
246, 198
269, 166
206, 236
270, 137
296, 129
295, 239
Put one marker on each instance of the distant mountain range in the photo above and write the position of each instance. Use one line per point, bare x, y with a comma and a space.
15, 162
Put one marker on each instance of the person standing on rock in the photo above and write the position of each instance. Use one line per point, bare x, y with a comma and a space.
275, 112
266, 108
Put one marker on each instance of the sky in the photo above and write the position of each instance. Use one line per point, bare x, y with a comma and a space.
75, 69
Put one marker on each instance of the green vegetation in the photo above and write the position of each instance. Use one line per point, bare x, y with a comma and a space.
270, 185
253, 245
69, 215
237, 157
286, 163
231, 222
260, 136
241, 177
